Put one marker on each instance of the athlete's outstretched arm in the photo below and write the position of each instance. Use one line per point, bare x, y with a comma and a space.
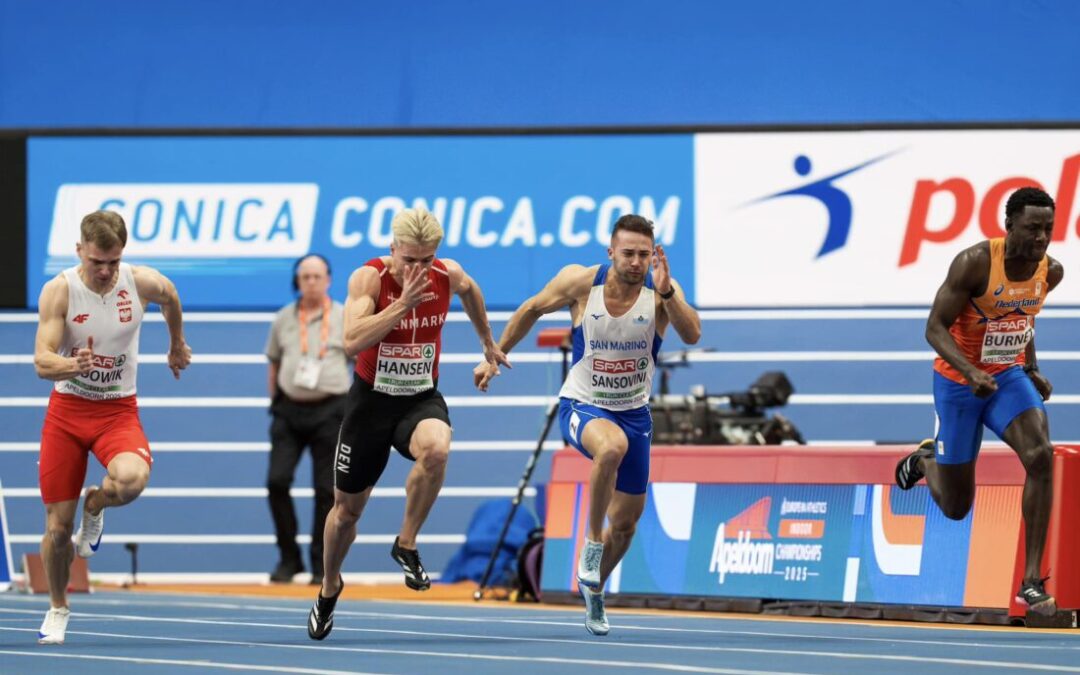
158, 288
52, 312
472, 300
560, 292
968, 275
364, 326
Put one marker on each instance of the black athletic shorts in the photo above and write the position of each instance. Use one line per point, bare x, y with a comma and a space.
373, 422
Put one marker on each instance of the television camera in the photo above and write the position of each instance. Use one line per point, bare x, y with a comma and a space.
729, 418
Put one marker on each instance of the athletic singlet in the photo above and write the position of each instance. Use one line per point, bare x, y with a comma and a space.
995, 328
113, 320
406, 361
614, 357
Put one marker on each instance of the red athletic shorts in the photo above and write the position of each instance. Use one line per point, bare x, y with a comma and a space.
75, 426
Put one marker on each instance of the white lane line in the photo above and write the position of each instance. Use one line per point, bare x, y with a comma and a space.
219, 447
922, 658
481, 401
243, 539
268, 317
43, 654
262, 493
676, 667
264, 402
264, 446
174, 601
555, 357
260, 359
779, 314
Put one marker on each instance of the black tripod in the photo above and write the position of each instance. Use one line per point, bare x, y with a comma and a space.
548, 338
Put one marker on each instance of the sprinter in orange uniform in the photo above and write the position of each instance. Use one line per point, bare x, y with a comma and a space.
982, 325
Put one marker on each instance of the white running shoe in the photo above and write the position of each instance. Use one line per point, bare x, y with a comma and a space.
54, 626
595, 617
88, 538
588, 568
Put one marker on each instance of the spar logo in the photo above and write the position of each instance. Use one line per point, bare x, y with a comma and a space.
1019, 324
620, 365
836, 202
393, 351
957, 195
103, 361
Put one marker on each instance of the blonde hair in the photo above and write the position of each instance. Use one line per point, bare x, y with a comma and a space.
104, 229
416, 226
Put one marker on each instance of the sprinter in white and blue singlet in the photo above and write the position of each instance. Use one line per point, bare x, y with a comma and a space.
619, 314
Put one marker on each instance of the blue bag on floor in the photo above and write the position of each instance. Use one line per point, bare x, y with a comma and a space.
471, 559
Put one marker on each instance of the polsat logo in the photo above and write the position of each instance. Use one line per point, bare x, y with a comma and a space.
951, 194
960, 195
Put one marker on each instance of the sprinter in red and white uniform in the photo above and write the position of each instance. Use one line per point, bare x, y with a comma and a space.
394, 317
88, 344
982, 325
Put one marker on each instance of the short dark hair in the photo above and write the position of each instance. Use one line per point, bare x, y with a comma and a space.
1026, 196
634, 223
296, 269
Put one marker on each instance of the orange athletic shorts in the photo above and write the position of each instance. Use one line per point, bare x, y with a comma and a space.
74, 427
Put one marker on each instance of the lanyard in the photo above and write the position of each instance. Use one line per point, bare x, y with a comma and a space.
324, 333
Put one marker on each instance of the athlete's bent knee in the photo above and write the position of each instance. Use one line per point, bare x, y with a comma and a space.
1038, 460
434, 457
131, 475
611, 454
956, 510
59, 534
345, 514
623, 529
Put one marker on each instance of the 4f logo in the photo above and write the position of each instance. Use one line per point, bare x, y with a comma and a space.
83, 317
122, 294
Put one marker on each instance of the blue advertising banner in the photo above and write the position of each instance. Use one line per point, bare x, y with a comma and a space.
838, 543
225, 218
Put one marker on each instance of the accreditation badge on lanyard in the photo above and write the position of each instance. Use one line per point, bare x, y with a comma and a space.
309, 368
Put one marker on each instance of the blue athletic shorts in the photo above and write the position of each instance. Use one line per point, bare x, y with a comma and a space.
962, 415
633, 477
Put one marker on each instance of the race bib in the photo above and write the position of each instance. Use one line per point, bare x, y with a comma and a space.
405, 369
620, 382
1006, 339
307, 373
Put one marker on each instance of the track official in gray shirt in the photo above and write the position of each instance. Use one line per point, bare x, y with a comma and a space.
309, 377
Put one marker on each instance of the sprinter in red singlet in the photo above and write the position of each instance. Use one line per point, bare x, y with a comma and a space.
88, 344
982, 325
394, 316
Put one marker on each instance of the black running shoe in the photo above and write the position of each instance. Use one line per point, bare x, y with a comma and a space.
1034, 595
415, 576
908, 472
321, 620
